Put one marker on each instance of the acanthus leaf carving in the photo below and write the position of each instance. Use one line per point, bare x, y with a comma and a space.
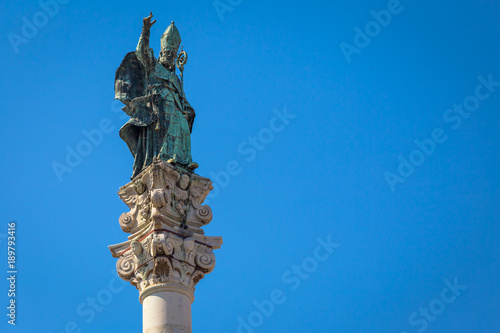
163, 256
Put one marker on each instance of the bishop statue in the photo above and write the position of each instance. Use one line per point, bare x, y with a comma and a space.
161, 118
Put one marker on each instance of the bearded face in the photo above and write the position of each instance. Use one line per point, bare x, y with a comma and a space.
167, 57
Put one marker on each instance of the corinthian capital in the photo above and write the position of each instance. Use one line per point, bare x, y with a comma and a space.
164, 256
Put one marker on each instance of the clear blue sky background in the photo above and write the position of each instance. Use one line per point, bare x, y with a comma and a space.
322, 175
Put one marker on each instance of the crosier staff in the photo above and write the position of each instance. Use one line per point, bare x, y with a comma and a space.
180, 61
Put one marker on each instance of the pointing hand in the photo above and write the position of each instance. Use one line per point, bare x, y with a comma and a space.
147, 21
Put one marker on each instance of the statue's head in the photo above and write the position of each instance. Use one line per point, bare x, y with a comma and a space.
184, 182
136, 247
170, 42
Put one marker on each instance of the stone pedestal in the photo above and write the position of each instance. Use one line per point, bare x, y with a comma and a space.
167, 252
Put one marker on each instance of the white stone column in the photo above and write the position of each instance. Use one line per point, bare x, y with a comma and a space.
166, 308
166, 254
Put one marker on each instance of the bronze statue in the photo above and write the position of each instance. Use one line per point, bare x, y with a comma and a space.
161, 119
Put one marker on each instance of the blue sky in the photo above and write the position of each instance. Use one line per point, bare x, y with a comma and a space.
369, 125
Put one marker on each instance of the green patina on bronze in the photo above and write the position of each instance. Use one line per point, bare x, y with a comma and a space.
161, 119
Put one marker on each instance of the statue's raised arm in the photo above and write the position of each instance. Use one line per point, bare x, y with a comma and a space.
142, 51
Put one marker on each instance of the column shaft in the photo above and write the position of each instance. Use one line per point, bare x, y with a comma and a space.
166, 312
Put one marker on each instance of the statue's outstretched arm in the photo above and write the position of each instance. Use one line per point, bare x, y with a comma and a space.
142, 50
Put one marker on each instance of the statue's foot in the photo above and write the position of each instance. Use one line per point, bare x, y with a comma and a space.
192, 166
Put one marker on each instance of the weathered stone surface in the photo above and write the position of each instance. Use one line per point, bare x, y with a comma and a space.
165, 196
164, 256
165, 219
